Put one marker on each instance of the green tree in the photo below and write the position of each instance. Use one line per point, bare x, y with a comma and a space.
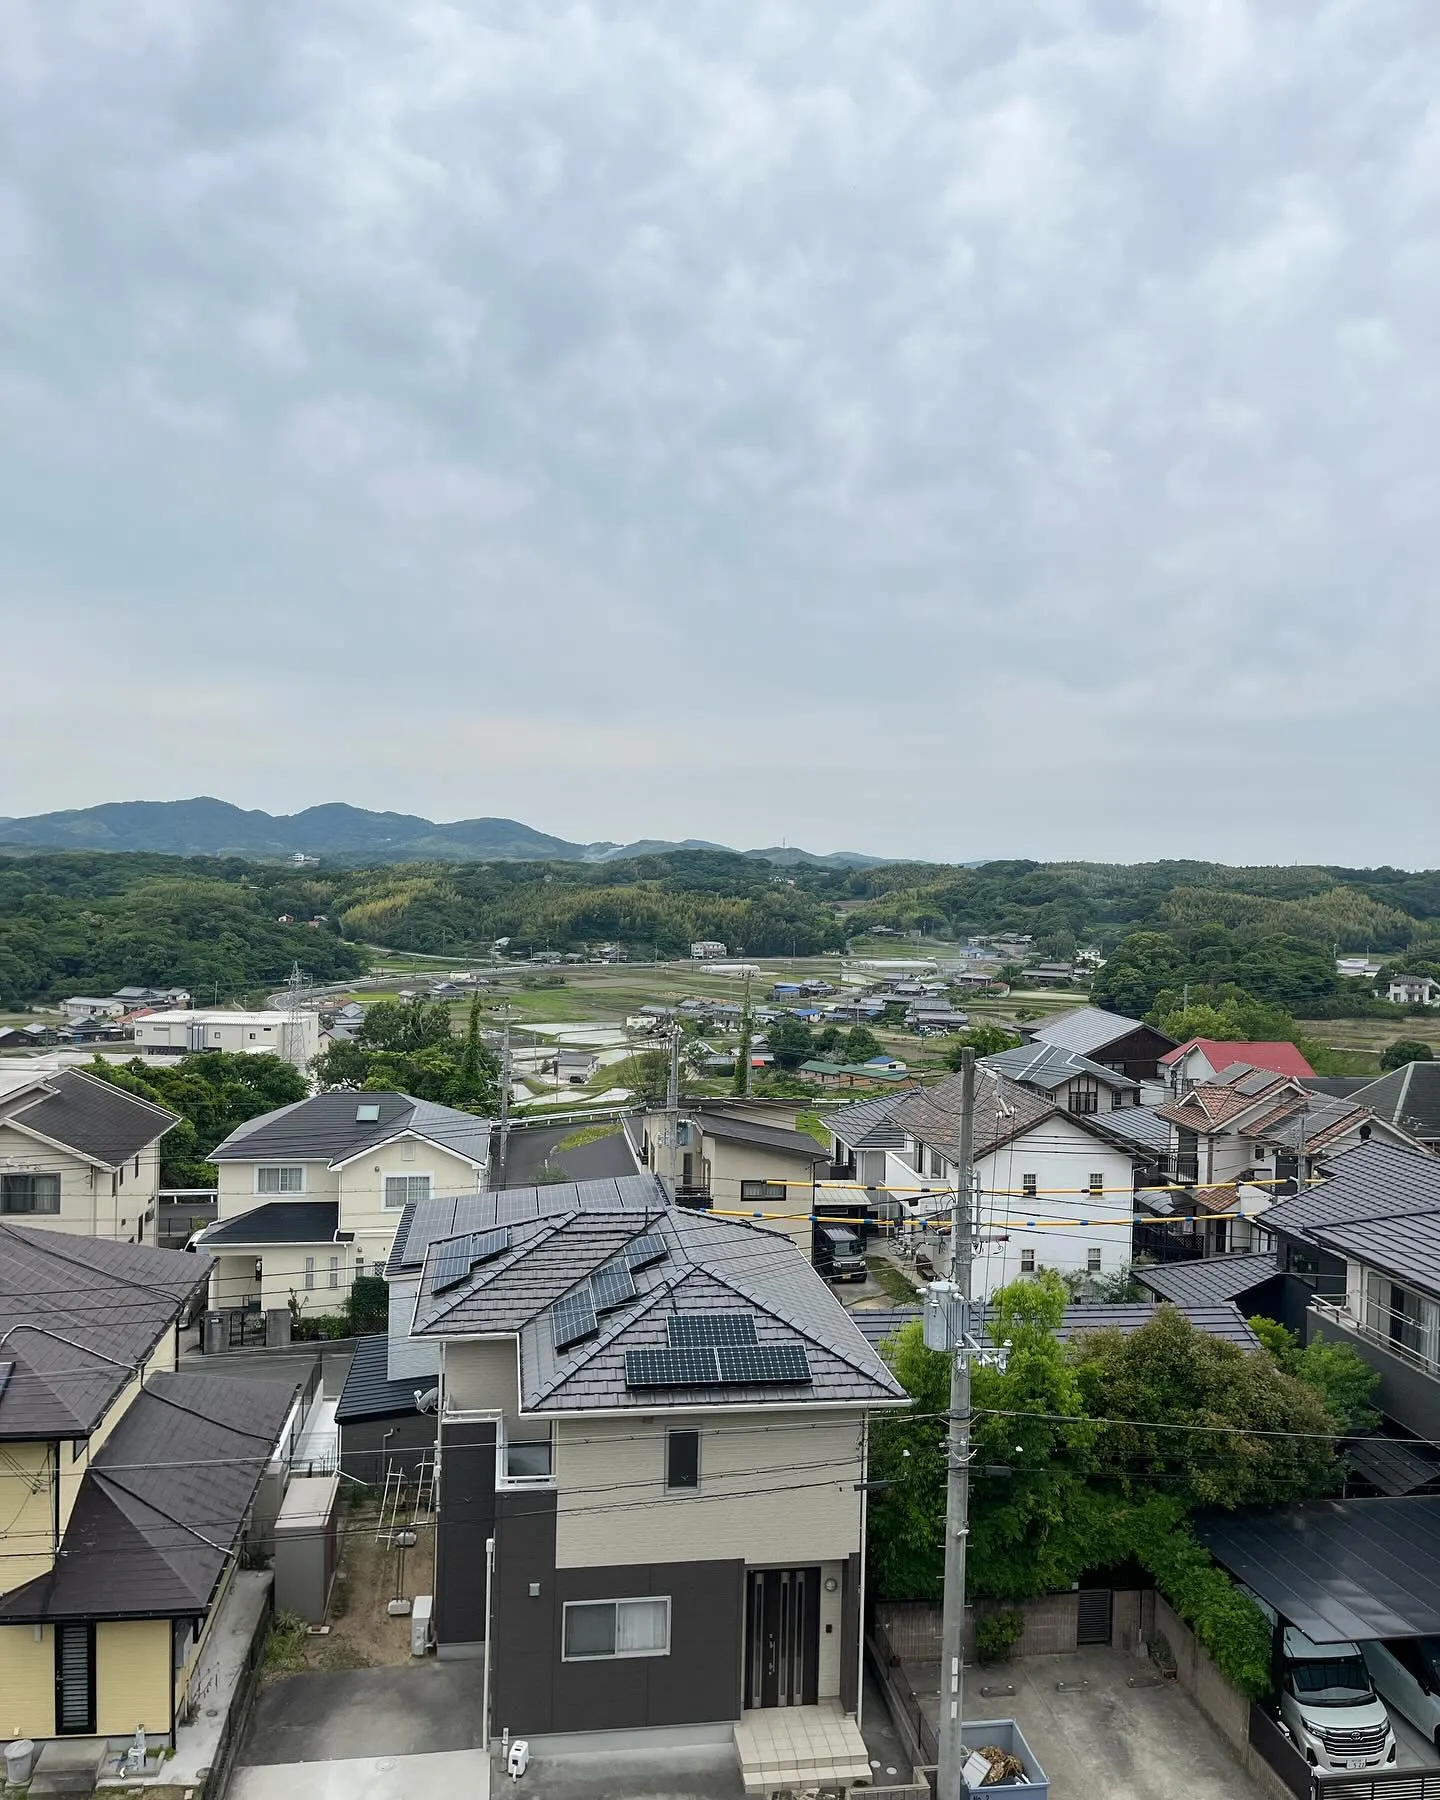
1405, 1050
984, 1040
1337, 1372
790, 1041
646, 1073
861, 1044
1135, 972
409, 1047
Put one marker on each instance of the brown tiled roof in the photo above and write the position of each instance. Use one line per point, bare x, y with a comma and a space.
1220, 1199
1209, 1106
1003, 1110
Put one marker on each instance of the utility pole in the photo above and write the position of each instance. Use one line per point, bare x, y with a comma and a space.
504, 1099
745, 1038
672, 1102
957, 1504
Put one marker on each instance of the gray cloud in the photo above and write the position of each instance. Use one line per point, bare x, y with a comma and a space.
926, 429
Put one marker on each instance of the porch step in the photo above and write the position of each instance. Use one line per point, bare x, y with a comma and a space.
800, 1747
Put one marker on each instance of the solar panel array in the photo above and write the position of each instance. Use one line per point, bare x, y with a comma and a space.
641, 1252
456, 1259
611, 1285
711, 1328
573, 1318
710, 1365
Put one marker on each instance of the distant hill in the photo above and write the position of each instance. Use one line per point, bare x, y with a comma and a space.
338, 833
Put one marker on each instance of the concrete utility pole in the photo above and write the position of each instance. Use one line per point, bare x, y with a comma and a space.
957, 1508
504, 1100
672, 1101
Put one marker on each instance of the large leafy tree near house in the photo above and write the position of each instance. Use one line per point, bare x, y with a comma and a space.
984, 1040
213, 1093
791, 1041
1405, 1050
410, 1047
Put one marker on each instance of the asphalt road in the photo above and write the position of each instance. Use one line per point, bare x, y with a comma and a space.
531, 1151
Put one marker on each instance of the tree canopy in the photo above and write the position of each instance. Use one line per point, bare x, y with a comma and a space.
410, 1047
1405, 1050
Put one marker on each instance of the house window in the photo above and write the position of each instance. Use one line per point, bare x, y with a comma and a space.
682, 1460
937, 1163
1085, 1095
1117, 1099
289, 1179
1097, 1185
400, 1190
309, 1274
407, 1150
29, 1193
334, 1271
1029, 1186
1092, 1260
613, 1628
1027, 1262
761, 1190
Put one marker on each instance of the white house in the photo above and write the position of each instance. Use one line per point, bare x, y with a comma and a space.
80, 1008
293, 1036
707, 947
310, 1195
1414, 990
1054, 1189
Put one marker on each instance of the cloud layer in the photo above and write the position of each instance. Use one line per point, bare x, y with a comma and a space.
925, 429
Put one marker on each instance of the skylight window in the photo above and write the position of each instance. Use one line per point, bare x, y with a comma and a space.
368, 1113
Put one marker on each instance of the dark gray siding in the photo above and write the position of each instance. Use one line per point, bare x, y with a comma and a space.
1407, 1394
850, 1598
466, 1519
369, 1446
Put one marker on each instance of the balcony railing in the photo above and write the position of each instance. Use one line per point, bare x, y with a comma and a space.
1338, 1313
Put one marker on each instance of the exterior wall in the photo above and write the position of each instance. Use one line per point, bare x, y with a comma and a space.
27, 1505
368, 1447
284, 1273
118, 1204
194, 1647
132, 1676
362, 1188
816, 1518
466, 1518
1062, 1156
27, 1682
169, 1034
1406, 1393
406, 1356
731, 1164
236, 1191
483, 1377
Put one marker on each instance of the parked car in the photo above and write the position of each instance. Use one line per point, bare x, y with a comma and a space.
1406, 1674
1330, 1707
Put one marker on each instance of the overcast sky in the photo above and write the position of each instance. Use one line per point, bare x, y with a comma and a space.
899, 425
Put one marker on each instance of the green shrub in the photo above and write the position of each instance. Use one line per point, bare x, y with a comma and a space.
996, 1635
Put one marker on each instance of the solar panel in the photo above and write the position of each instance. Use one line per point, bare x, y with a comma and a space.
486, 1245
611, 1286
689, 1367
764, 1362
643, 1251
452, 1267
573, 1318
711, 1328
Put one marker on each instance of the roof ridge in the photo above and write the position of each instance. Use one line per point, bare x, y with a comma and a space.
591, 1347
508, 1259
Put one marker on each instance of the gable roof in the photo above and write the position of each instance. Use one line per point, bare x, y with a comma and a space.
710, 1265
1003, 1110
1221, 1053
369, 1393
97, 1120
161, 1505
1375, 1180
1049, 1066
868, 1124
1143, 1128
1211, 1104
1088, 1029
1408, 1097
78, 1317
763, 1137
326, 1129
1208, 1281
425, 1222
1405, 1245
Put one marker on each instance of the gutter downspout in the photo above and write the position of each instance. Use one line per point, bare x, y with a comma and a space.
860, 1597
489, 1633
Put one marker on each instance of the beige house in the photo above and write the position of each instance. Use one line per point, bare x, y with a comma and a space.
125, 1489
658, 1417
310, 1195
741, 1159
80, 1155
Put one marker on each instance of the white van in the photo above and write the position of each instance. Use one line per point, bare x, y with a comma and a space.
1406, 1673
1330, 1706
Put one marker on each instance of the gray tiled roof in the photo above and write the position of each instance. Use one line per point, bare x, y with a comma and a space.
1141, 1126
77, 1316
1341, 1087
1210, 1281
162, 1504
1086, 1029
1408, 1097
1003, 1110
425, 1222
868, 1124
1407, 1247
1372, 1181
711, 1265
1048, 1066
95, 1118
369, 1393
1223, 1321
763, 1137
277, 1222
326, 1129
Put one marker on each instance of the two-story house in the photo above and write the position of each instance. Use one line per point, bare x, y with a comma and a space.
737, 1157
310, 1195
1204, 1059
1129, 1045
655, 1419
79, 1155
125, 1487
1055, 1188
1066, 1078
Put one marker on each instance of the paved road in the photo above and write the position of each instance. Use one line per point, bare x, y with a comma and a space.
533, 1149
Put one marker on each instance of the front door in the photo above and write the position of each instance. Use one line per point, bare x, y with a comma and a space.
75, 1680
782, 1637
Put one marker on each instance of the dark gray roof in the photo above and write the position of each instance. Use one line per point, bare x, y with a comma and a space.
78, 1315
1339, 1570
1048, 1066
369, 1393
94, 1118
276, 1222
1393, 1465
425, 1222
161, 1506
326, 1129
1086, 1029
868, 1124
763, 1137
1140, 1126
1407, 1247
711, 1265
1210, 1281
1339, 1087
1408, 1097
1225, 1321
1003, 1110
1372, 1181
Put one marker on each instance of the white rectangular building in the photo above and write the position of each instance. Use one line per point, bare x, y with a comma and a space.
293, 1036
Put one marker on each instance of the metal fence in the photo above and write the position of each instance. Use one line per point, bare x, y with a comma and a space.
1275, 1748
1375, 1784
904, 1701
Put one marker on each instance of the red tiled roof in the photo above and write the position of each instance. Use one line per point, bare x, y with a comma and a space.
1281, 1059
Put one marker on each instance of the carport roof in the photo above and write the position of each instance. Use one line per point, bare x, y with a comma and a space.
1339, 1570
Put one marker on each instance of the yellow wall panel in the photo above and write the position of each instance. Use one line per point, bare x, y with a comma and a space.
27, 1682
132, 1676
